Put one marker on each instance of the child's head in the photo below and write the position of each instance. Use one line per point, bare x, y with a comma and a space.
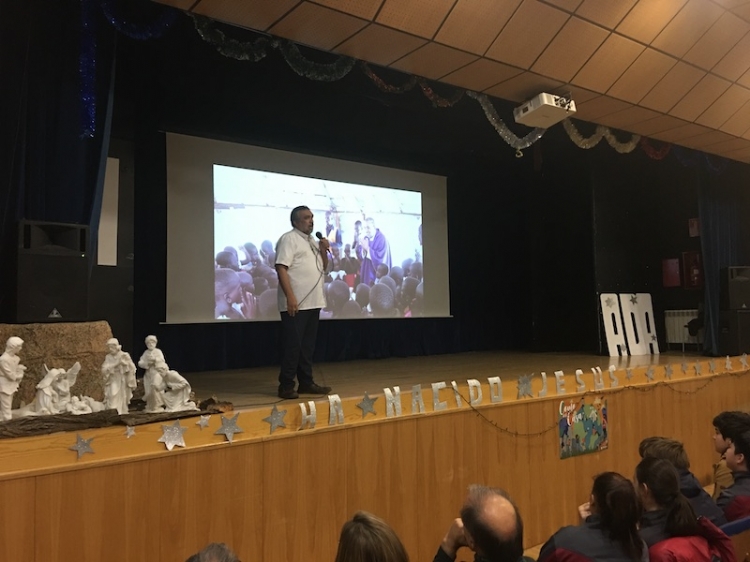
726, 426
381, 270
666, 449
738, 452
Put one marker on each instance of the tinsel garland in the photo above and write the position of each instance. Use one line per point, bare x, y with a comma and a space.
653, 152
231, 48
439, 101
381, 84
139, 31
602, 132
690, 158
519, 143
313, 70
87, 69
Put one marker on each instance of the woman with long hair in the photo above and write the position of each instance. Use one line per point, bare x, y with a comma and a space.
609, 529
367, 538
669, 525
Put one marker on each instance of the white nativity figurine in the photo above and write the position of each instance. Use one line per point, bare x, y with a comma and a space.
118, 371
153, 386
177, 390
11, 373
53, 391
77, 406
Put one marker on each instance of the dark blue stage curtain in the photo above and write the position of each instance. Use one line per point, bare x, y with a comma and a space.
49, 170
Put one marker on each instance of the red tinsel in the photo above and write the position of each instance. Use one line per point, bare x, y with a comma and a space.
438, 101
388, 88
653, 152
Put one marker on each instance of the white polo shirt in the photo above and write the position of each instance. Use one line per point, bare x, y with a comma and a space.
300, 253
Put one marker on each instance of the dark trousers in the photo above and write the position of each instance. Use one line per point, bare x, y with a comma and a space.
298, 334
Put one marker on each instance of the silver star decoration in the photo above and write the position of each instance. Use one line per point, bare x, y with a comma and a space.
524, 386
712, 366
628, 374
609, 301
668, 372
171, 435
698, 368
203, 422
367, 405
82, 446
229, 427
129, 431
684, 368
650, 374
728, 364
634, 299
653, 337
743, 360
276, 419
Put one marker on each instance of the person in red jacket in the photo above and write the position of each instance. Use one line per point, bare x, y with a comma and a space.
609, 531
669, 526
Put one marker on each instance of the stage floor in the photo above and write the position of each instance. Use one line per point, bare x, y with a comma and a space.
252, 388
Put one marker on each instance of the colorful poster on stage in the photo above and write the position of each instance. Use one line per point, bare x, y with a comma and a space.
583, 426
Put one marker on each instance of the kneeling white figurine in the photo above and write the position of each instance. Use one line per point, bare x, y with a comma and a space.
53, 391
177, 390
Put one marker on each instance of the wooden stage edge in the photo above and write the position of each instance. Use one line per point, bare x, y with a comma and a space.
426, 389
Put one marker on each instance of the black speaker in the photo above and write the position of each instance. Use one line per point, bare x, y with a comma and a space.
735, 288
734, 332
53, 272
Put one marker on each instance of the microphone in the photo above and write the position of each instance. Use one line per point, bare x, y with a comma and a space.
319, 236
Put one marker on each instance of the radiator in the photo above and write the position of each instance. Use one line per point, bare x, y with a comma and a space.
676, 325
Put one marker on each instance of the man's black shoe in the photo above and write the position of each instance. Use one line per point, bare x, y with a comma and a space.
314, 389
288, 393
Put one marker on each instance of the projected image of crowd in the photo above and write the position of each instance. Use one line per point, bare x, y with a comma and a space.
363, 279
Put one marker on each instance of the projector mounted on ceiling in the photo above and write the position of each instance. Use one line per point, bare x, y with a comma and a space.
544, 110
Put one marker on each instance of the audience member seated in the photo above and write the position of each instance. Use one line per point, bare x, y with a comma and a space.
674, 452
382, 301
735, 500
367, 538
726, 425
609, 530
490, 525
214, 552
227, 260
669, 525
362, 295
351, 310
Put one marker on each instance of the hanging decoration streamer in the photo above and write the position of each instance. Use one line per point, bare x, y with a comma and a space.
313, 70
139, 31
653, 152
717, 168
502, 129
387, 88
87, 70
439, 101
231, 48
694, 159
602, 132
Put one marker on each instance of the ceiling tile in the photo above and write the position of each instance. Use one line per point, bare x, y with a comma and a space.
420, 17
608, 14
648, 17
517, 45
706, 139
625, 118
481, 74
464, 29
687, 27
523, 87
567, 5
253, 14
317, 26
608, 63
724, 107
673, 87
361, 8
579, 95
744, 80
742, 155
729, 145
656, 125
729, 4
433, 61
380, 45
717, 41
678, 134
570, 49
736, 62
642, 75
697, 100
742, 11
599, 107
739, 124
